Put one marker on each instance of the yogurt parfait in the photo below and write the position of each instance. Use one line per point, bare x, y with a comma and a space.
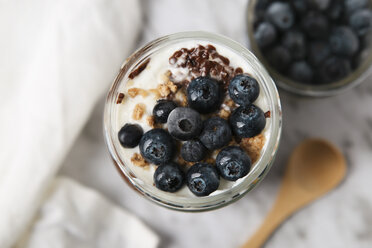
193, 121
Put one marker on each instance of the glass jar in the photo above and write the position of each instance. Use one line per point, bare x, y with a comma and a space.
194, 203
321, 90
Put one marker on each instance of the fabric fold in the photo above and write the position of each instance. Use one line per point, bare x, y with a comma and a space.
76, 216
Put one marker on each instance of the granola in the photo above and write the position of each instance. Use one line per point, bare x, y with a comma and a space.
138, 111
138, 160
253, 146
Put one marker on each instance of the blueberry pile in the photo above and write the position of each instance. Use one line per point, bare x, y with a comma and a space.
313, 41
198, 132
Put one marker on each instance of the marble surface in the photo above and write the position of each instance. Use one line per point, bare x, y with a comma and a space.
343, 218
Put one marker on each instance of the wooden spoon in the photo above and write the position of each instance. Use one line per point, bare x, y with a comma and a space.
315, 167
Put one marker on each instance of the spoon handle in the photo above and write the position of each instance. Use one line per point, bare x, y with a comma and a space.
314, 169
276, 216
288, 201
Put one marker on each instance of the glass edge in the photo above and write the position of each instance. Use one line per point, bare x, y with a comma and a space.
110, 145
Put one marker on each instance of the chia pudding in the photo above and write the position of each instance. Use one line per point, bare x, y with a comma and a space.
192, 119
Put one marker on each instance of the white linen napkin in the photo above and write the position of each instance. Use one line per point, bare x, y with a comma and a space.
56, 59
76, 216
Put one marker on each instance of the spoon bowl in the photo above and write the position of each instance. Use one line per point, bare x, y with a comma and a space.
317, 166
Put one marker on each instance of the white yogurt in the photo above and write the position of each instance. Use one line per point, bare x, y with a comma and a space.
150, 78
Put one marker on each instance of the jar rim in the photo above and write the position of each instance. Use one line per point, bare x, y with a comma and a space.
261, 167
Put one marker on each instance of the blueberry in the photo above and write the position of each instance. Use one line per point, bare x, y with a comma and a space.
202, 179
247, 121
300, 6
361, 21
260, 10
280, 14
204, 95
169, 177
335, 10
184, 123
162, 109
315, 25
301, 72
130, 135
320, 4
193, 151
353, 5
295, 42
233, 163
265, 34
343, 41
259, 16
318, 52
157, 146
334, 69
279, 57
216, 133
244, 89
262, 4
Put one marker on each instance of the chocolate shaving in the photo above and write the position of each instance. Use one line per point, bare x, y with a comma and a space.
267, 114
238, 70
204, 61
120, 98
139, 69
224, 60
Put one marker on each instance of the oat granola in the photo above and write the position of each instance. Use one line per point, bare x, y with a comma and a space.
138, 111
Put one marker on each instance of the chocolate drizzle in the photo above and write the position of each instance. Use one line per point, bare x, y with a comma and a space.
204, 61
139, 69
